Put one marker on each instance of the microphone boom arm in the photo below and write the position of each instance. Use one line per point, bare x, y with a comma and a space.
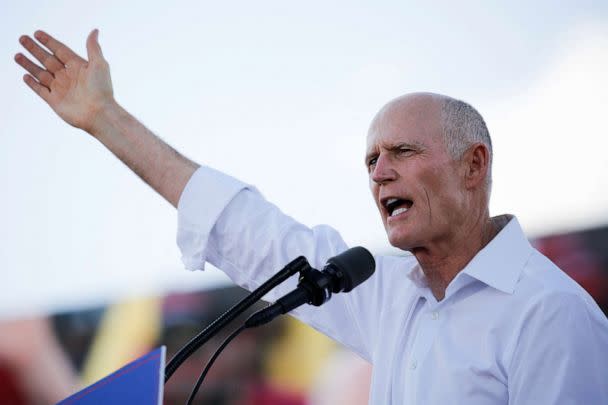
299, 264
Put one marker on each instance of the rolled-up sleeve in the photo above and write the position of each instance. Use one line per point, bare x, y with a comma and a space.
205, 196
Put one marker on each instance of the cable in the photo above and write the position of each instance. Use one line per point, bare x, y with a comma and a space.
211, 361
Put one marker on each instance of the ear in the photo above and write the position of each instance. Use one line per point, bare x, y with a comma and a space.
477, 165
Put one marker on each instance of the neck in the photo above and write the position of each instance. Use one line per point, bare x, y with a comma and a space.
442, 261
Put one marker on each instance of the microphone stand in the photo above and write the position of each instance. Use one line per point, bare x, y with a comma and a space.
299, 264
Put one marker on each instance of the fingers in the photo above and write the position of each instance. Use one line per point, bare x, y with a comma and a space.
39, 89
49, 61
62, 52
43, 76
93, 47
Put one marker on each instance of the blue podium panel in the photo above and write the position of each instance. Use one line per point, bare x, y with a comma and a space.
139, 382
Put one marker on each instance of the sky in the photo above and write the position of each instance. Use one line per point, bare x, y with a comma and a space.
280, 94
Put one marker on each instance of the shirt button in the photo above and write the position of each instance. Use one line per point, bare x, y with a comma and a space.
414, 365
435, 315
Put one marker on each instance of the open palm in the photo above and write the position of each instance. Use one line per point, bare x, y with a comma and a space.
76, 89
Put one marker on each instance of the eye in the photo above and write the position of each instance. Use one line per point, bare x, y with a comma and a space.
371, 162
405, 151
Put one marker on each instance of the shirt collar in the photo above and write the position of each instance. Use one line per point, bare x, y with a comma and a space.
499, 264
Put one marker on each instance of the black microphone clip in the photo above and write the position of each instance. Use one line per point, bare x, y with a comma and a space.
341, 274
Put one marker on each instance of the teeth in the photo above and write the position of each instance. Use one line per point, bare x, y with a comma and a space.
391, 200
398, 211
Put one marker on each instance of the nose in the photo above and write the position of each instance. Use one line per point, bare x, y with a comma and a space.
383, 172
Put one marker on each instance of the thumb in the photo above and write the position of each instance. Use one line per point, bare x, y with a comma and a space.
93, 48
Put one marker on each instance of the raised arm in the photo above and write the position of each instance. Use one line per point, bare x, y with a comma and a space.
80, 92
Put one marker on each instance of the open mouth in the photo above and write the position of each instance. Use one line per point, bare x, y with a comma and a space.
396, 206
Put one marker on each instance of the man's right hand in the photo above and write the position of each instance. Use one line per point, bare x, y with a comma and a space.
80, 92
76, 89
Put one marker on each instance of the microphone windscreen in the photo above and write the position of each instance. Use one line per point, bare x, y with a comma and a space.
356, 265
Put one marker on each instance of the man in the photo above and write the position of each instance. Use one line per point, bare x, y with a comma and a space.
474, 315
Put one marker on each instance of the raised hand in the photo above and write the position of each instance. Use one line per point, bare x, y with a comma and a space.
80, 92
76, 89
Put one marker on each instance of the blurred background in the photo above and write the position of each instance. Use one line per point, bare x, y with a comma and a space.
280, 95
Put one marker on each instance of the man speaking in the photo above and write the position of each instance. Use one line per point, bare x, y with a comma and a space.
475, 315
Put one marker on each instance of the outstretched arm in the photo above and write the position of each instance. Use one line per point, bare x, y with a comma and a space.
80, 92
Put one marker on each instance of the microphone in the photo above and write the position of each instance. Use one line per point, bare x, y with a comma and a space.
342, 273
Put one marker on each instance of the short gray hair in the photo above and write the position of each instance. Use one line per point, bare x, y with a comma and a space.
462, 127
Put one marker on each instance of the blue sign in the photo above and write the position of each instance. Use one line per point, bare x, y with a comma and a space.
139, 382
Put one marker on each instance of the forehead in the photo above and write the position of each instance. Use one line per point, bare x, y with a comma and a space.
414, 121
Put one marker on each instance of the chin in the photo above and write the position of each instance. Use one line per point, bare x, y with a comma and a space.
401, 241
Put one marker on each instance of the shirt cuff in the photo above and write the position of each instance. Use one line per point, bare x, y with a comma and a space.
201, 203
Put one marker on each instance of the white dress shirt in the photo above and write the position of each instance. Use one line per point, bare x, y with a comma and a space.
512, 328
